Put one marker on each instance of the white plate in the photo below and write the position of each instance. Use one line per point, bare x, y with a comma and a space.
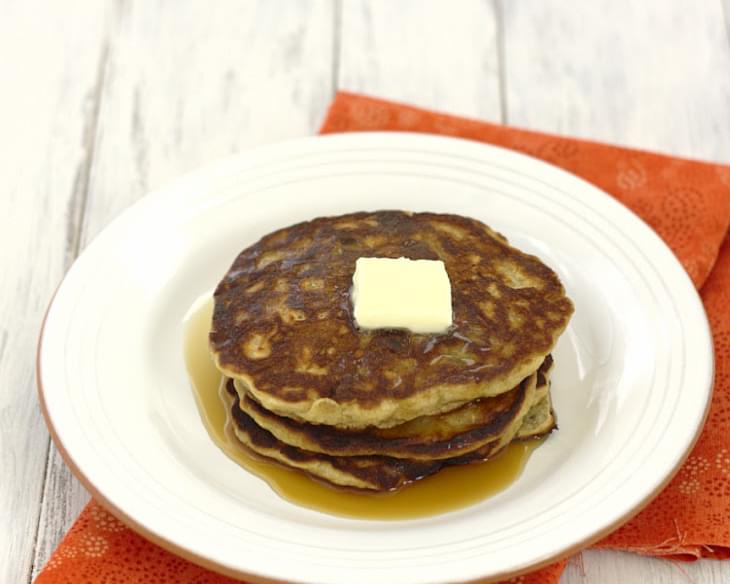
631, 385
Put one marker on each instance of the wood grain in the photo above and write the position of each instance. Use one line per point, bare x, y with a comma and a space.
241, 75
649, 74
429, 53
49, 98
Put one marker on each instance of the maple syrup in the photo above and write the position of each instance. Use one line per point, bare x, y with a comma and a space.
452, 488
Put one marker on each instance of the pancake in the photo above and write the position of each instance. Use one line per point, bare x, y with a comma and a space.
367, 473
371, 473
543, 378
283, 327
425, 438
539, 421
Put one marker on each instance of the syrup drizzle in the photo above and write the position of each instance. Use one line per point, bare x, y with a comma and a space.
450, 489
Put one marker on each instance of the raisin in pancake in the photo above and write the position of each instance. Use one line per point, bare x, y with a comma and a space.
437, 436
370, 473
283, 325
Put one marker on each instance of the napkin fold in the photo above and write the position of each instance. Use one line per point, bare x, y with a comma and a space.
686, 202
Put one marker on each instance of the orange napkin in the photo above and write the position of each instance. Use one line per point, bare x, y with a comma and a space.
686, 202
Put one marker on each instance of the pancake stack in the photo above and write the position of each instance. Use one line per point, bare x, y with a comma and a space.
378, 409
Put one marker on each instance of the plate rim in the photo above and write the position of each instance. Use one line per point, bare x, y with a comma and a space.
221, 164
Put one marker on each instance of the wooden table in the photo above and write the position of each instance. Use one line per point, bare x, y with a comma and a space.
103, 101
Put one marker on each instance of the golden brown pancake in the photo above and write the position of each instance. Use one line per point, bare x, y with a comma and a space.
283, 326
370, 473
437, 436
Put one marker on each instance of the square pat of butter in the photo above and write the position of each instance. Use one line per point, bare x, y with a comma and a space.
402, 293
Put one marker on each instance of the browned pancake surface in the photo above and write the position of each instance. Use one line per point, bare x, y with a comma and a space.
370, 473
428, 437
283, 320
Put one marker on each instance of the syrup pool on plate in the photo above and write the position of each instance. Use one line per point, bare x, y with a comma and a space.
452, 488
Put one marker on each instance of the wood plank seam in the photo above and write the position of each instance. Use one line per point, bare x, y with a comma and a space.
336, 44
36, 536
76, 215
498, 8
79, 198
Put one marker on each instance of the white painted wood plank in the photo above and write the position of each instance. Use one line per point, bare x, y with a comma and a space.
186, 84
190, 82
50, 54
241, 75
608, 567
646, 74
183, 85
652, 74
435, 54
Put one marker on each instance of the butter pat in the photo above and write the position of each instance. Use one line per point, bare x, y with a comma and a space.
402, 293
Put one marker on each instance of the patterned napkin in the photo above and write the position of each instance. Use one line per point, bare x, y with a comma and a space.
686, 202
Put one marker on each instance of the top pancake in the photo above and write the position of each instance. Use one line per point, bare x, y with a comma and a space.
283, 324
